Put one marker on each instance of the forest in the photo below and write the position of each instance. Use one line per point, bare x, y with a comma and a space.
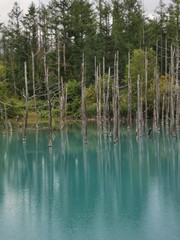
80, 59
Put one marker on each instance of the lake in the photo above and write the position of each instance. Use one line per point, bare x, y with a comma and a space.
95, 191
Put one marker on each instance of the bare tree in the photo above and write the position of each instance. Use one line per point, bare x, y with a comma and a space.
83, 101
34, 87
139, 108
27, 102
146, 87
172, 92
49, 99
98, 93
129, 118
116, 98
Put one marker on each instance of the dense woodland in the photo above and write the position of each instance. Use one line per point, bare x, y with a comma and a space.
91, 59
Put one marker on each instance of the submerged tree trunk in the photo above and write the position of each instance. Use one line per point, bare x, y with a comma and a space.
129, 118
157, 100
177, 84
104, 82
27, 104
83, 103
139, 109
34, 89
116, 98
168, 85
106, 104
60, 86
49, 108
146, 87
156, 93
98, 94
63, 104
46, 73
172, 92
162, 114
6, 119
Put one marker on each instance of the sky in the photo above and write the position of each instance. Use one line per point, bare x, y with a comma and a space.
7, 5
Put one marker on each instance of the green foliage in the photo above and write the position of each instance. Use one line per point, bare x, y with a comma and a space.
15, 108
90, 95
56, 113
138, 68
74, 98
3, 91
90, 102
43, 114
13, 105
2, 71
91, 110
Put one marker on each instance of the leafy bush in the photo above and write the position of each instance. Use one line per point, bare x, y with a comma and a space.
15, 108
43, 114
91, 110
56, 112
74, 99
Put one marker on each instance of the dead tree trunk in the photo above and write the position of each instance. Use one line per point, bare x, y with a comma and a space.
146, 87
46, 73
157, 100
156, 93
177, 82
49, 108
106, 104
172, 93
63, 104
177, 63
162, 114
129, 118
27, 104
34, 89
6, 118
64, 57
116, 98
139, 109
60, 86
98, 94
168, 86
83, 101
104, 86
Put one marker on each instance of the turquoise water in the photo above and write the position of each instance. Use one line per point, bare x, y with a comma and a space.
98, 191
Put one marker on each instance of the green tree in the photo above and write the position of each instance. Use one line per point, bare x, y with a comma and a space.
74, 98
104, 27
30, 28
31, 43
127, 29
60, 21
12, 34
156, 32
173, 24
83, 32
138, 68
134, 24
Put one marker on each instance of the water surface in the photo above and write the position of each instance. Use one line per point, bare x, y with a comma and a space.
89, 191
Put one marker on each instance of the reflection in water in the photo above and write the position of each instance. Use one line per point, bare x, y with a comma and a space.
98, 190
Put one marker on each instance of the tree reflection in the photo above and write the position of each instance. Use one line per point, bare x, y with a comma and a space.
77, 182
